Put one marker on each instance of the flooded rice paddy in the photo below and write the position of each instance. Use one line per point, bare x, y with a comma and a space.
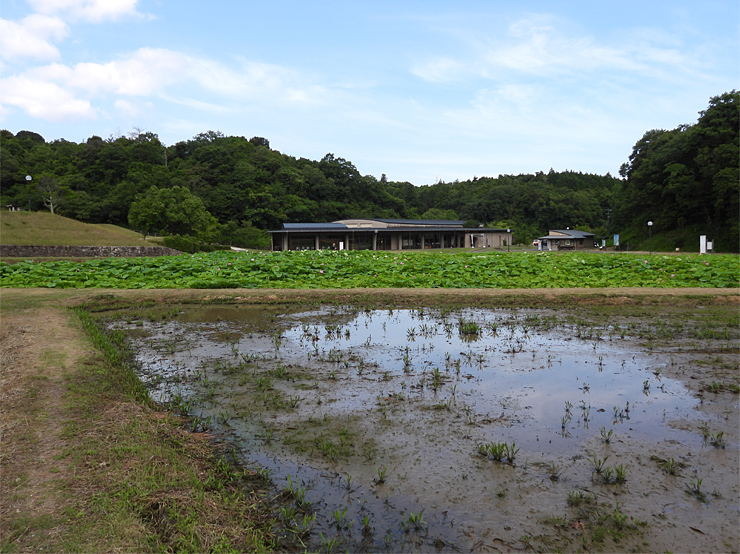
465, 430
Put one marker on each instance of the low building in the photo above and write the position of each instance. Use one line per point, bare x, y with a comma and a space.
569, 239
386, 234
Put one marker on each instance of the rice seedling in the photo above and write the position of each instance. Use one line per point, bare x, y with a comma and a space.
436, 379
716, 439
327, 545
277, 341
367, 530
670, 466
280, 372
406, 359
340, 518
468, 328
693, 488
620, 474
704, 428
619, 517
555, 472
606, 436
287, 513
597, 463
444, 405
497, 451
264, 383
413, 521
381, 473
577, 497
303, 527
564, 421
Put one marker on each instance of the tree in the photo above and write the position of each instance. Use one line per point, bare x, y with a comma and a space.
260, 141
51, 192
172, 211
440, 214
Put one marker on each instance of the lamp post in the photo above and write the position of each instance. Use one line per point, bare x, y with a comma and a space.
508, 240
28, 180
650, 233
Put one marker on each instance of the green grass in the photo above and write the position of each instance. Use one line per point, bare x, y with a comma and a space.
46, 229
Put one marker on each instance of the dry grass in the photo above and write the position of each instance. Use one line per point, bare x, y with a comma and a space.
45, 229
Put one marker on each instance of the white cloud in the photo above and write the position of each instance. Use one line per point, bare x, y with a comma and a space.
440, 70
545, 46
148, 71
44, 100
268, 83
152, 72
126, 108
32, 37
87, 10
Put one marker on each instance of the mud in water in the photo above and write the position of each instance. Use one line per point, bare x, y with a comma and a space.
473, 430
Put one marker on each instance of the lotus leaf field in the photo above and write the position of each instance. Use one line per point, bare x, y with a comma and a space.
355, 269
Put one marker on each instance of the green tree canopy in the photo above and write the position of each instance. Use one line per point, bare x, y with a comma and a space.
174, 211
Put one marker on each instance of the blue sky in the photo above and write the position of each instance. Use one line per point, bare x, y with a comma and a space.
420, 91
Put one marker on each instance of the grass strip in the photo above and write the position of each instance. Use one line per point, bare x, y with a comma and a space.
130, 478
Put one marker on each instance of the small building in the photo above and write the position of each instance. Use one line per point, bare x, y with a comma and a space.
569, 239
386, 234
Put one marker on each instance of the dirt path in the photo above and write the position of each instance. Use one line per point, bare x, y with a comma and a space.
40, 346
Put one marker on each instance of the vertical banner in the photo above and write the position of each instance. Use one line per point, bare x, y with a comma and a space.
702, 244
616, 240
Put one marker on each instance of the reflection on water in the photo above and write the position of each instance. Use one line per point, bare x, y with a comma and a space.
380, 412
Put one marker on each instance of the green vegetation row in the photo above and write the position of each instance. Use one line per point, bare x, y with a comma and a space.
355, 269
230, 190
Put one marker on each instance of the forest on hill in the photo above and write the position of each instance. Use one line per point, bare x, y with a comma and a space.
685, 180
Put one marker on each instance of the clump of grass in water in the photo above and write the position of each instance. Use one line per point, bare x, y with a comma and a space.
576, 498
468, 328
498, 451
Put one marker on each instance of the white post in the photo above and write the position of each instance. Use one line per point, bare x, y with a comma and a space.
702, 244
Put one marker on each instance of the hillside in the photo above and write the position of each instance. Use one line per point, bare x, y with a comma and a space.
45, 229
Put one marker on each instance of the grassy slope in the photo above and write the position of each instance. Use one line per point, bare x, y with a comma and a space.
45, 229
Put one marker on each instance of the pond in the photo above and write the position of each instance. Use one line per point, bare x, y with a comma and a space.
429, 429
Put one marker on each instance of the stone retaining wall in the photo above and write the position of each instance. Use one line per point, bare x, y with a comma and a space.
14, 251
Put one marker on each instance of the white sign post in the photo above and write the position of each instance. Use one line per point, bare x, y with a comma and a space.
702, 244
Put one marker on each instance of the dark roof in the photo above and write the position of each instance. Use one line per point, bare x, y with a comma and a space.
298, 227
423, 225
569, 233
437, 222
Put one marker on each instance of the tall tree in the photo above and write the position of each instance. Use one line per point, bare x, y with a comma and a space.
172, 211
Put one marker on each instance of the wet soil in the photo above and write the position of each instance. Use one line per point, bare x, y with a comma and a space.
407, 430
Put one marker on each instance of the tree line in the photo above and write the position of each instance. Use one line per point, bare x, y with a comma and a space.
231, 189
